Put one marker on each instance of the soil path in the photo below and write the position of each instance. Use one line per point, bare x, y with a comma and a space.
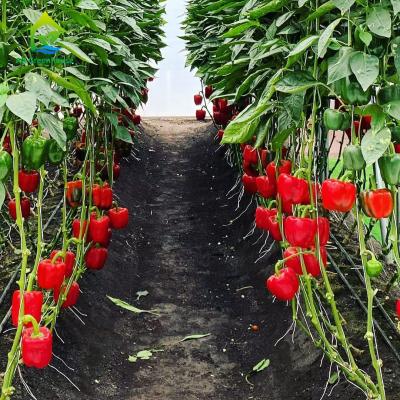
201, 277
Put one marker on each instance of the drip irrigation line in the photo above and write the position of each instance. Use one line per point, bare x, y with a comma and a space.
15, 273
363, 306
377, 302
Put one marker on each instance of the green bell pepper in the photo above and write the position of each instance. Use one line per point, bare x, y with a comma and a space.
336, 120
388, 94
34, 152
5, 165
353, 159
55, 153
374, 268
395, 134
70, 126
351, 92
390, 169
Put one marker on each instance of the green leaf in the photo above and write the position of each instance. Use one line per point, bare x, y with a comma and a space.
343, 5
365, 37
333, 378
75, 50
2, 194
396, 6
339, 65
376, 112
54, 127
87, 5
129, 307
374, 144
194, 337
143, 355
379, 21
326, 37
123, 134
261, 365
300, 48
23, 105
3, 93
240, 28
75, 71
365, 67
296, 82
240, 132
393, 109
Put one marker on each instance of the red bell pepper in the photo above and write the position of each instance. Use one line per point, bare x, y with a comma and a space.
74, 193
292, 260
33, 302
119, 217
72, 295
50, 275
28, 180
25, 208
323, 229
398, 308
337, 195
300, 232
249, 184
261, 216
116, 171
265, 187
76, 229
208, 91
106, 197
198, 99
284, 167
273, 226
69, 261
377, 203
37, 347
96, 257
250, 154
293, 190
283, 285
98, 228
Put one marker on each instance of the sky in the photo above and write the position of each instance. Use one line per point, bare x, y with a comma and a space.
171, 92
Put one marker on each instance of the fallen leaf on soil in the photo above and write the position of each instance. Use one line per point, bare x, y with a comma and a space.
141, 293
129, 307
143, 355
194, 337
264, 363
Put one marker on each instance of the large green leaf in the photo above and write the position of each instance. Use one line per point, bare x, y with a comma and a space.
343, 5
379, 21
23, 105
365, 67
326, 37
296, 82
76, 51
374, 144
54, 127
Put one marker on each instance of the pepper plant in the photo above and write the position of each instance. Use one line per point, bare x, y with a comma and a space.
298, 76
73, 75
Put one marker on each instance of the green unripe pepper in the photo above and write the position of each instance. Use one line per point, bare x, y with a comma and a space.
352, 93
34, 152
374, 267
395, 134
55, 153
5, 165
353, 159
70, 126
390, 169
333, 119
388, 94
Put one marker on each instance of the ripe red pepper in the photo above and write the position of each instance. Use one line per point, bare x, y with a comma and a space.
198, 99
283, 285
273, 225
265, 187
249, 183
285, 167
250, 154
25, 208
28, 181
96, 257
98, 228
116, 171
366, 122
200, 115
398, 308
377, 203
50, 275
300, 232
33, 302
261, 218
293, 261
323, 229
119, 217
220, 134
337, 195
69, 260
72, 295
106, 197
37, 347
137, 119
293, 190
208, 91
76, 229
74, 193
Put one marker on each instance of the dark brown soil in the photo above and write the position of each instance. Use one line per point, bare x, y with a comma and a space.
201, 277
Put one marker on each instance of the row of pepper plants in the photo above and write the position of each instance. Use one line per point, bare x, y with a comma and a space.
288, 78
73, 74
